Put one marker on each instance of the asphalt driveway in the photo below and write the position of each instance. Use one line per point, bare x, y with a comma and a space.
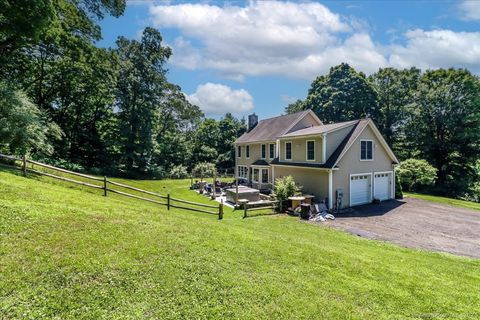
416, 223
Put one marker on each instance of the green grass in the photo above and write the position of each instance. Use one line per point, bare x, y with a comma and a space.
66, 253
444, 200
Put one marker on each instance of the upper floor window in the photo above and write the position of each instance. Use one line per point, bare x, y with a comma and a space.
288, 151
366, 150
247, 152
272, 150
264, 151
239, 152
310, 150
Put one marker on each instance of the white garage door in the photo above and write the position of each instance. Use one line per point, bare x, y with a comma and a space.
382, 186
359, 190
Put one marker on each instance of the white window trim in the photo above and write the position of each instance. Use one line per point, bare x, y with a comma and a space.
239, 152
261, 176
246, 171
247, 155
291, 151
306, 150
269, 153
261, 151
350, 186
373, 150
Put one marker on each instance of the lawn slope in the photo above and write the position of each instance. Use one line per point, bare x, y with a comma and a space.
66, 253
445, 200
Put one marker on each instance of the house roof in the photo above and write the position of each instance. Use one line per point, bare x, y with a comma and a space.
272, 128
352, 136
319, 129
260, 163
332, 161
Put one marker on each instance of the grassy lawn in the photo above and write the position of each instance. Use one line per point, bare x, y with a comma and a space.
444, 200
68, 253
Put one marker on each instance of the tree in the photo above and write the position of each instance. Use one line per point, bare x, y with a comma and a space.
342, 95
395, 91
296, 106
414, 173
141, 87
444, 126
23, 126
204, 169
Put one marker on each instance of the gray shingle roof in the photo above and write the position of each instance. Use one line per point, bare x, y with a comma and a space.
272, 128
319, 129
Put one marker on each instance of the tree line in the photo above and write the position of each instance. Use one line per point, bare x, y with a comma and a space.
432, 115
68, 102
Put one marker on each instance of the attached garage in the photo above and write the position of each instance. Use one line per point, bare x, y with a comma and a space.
360, 189
382, 185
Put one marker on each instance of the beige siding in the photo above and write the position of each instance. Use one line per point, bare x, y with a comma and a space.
306, 122
335, 138
313, 181
299, 149
351, 164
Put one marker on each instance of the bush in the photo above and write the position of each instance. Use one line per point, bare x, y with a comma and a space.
285, 187
204, 170
398, 188
179, 172
414, 173
156, 172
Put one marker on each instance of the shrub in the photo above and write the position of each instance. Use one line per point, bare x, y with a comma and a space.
285, 187
156, 172
398, 188
179, 172
204, 169
414, 173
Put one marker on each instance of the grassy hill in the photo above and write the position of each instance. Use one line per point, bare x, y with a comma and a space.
66, 252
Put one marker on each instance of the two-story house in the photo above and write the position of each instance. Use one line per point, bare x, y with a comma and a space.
347, 163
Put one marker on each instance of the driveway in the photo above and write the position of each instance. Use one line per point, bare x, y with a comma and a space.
416, 223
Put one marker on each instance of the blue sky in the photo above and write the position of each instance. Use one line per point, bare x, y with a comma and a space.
245, 57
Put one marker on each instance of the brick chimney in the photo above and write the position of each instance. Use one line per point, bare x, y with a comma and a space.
252, 121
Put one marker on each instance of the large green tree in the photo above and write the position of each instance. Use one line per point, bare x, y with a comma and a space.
395, 91
341, 95
23, 127
444, 126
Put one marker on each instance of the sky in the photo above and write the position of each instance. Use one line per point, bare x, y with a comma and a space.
259, 56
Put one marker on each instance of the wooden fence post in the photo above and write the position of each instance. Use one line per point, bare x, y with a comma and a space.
280, 206
24, 165
244, 210
168, 201
220, 210
104, 186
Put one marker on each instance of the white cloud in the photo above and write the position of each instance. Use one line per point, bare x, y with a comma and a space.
470, 9
437, 49
302, 40
217, 99
265, 37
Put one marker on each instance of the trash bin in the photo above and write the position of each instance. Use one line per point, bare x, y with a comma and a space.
305, 211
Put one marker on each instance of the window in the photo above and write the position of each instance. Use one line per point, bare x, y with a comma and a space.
310, 150
288, 151
242, 172
255, 175
264, 175
264, 151
247, 152
366, 150
239, 152
272, 150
